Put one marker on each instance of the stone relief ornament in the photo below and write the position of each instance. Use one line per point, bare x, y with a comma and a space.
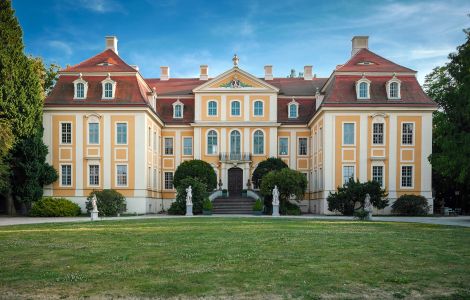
235, 83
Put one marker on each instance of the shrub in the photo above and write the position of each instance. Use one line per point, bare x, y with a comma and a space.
258, 206
266, 166
207, 205
411, 205
289, 182
54, 207
199, 191
351, 196
290, 209
361, 214
109, 202
196, 169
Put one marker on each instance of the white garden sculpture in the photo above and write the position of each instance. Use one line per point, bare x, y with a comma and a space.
189, 201
275, 201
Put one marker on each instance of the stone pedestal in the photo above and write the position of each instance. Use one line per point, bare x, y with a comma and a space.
275, 210
369, 216
94, 215
189, 209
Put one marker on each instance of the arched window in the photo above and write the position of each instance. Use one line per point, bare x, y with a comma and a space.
258, 142
212, 142
393, 88
235, 109
108, 90
212, 108
80, 93
293, 109
81, 87
363, 90
177, 111
258, 108
235, 142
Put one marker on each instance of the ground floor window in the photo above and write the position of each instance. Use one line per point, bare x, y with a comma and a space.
378, 174
407, 176
168, 180
348, 173
94, 175
121, 171
155, 178
66, 175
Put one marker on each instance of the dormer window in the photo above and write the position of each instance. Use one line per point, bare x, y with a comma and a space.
80, 88
178, 109
363, 89
393, 88
293, 109
109, 88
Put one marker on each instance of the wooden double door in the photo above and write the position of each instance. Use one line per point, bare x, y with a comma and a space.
235, 182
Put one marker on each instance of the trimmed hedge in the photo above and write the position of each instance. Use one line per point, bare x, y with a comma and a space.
411, 205
198, 169
54, 207
109, 202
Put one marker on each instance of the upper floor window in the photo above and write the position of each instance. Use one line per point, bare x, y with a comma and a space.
66, 133
80, 88
93, 133
121, 175
178, 109
168, 180
407, 134
258, 108
66, 175
212, 142
363, 88
283, 146
168, 146
121, 133
109, 88
378, 133
348, 134
235, 108
293, 109
212, 108
407, 176
187, 146
258, 142
303, 146
348, 173
393, 88
94, 175
378, 174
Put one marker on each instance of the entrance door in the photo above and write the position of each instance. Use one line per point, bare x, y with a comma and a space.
235, 182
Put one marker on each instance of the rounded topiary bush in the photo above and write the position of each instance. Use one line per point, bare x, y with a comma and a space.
410, 205
199, 192
109, 202
54, 207
266, 166
196, 168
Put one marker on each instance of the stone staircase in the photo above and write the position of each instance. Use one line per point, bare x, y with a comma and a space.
233, 205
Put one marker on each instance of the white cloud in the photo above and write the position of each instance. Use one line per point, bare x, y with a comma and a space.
99, 6
61, 46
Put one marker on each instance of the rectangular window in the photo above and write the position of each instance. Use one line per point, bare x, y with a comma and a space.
94, 175
283, 146
407, 134
348, 134
121, 133
155, 179
348, 173
93, 133
149, 176
168, 146
320, 179
378, 174
407, 176
66, 133
378, 134
154, 141
121, 171
66, 175
315, 184
235, 108
149, 136
302, 146
320, 137
188, 146
168, 180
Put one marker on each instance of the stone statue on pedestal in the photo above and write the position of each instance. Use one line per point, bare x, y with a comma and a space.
368, 207
94, 212
275, 201
189, 202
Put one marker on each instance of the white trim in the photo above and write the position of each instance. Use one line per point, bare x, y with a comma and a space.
354, 134
116, 175
192, 145
413, 133
298, 146
387, 88
378, 120
240, 109
253, 142
358, 89
342, 171
71, 174
93, 163
412, 176
113, 84
216, 108
178, 103
121, 148
85, 88
262, 110
207, 144
116, 133
349, 149
172, 180
230, 140
172, 145
293, 102
378, 164
65, 148
412, 155
279, 144
71, 132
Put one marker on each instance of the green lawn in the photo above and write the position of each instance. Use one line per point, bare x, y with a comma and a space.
235, 258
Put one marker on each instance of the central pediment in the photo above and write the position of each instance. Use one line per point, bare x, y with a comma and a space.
236, 80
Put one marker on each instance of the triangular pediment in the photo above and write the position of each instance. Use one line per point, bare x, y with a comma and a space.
236, 80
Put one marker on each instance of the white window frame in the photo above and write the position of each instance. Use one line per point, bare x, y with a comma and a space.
388, 85
116, 175
382, 184
207, 142
342, 172
71, 175
164, 181
89, 173
320, 138
298, 146
75, 88
149, 138
262, 108
296, 104
383, 133
172, 145
60, 132
113, 85
155, 181
253, 142
192, 145
279, 145
230, 140
358, 89
412, 134
116, 132
239, 108
155, 141
354, 133
412, 176
89, 135
216, 108
181, 105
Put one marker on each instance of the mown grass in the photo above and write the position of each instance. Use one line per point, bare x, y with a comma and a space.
235, 258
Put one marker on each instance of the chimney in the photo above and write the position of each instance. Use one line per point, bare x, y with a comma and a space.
111, 43
164, 73
268, 72
358, 43
203, 72
308, 75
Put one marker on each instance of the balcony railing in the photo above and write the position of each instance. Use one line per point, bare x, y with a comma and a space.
229, 156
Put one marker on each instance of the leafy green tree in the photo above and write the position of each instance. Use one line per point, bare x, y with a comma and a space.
48, 74
350, 197
199, 193
291, 184
449, 86
30, 172
266, 166
196, 169
6, 142
109, 202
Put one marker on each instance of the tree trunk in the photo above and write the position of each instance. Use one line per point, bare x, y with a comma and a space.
10, 204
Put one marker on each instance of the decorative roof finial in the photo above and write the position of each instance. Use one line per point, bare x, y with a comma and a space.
235, 60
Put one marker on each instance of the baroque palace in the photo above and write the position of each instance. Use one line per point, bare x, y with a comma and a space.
108, 127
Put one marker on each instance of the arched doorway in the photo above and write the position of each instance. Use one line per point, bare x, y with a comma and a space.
235, 182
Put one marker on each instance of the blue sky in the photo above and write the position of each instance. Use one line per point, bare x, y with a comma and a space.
286, 33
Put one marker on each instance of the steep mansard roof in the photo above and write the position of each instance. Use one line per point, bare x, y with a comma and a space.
367, 61
106, 61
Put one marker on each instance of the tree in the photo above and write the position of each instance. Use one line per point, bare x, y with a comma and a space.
196, 169
266, 166
30, 172
291, 184
47, 74
199, 193
6, 142
351, 196
109, 202
449, 86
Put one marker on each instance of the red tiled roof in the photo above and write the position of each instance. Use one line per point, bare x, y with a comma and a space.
378, 63
165, 111
342, 91
110, 60
128, 91
306, 111
174, 86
